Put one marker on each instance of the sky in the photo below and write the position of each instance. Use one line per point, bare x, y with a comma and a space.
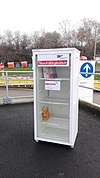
28, 16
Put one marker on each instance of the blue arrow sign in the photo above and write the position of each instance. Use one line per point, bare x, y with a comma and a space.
88, 68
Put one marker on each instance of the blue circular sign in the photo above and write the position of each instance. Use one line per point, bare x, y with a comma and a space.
30, 65
18, 65
88, 68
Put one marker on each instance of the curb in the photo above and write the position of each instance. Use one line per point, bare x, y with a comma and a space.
16, 100
89, 106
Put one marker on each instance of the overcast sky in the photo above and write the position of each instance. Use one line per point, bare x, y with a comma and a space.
34, 15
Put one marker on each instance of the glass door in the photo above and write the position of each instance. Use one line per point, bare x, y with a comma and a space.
53, 86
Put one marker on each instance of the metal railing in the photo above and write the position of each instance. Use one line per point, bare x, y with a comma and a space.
89, 88
13, 84
92, 88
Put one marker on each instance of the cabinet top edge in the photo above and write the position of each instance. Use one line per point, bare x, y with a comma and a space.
43, 51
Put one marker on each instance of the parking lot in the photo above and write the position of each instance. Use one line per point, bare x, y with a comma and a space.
21, 156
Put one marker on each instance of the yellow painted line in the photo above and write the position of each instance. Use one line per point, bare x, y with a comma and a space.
97, 84
30, 82
16, 82
2, 81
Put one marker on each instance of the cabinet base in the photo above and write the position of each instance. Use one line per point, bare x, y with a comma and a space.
54, 141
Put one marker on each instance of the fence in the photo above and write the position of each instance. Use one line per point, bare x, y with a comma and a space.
89, 87
16, 85
19, 85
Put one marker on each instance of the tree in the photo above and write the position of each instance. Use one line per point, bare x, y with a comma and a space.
48, 40
7, 46
34, 38
86, 37
65, 29
25, 48
88, 32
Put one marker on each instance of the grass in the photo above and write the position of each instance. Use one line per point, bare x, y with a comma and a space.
97, 64
18, 69
22, 70
97, 77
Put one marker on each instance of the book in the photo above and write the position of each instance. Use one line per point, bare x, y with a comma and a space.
49, 72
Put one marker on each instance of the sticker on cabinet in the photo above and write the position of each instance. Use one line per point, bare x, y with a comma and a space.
53, 60
52, 85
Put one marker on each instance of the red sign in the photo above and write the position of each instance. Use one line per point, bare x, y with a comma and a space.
10, 64
52, 62
24, 63
1, 66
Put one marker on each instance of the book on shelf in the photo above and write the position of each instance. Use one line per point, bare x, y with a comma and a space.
49, 72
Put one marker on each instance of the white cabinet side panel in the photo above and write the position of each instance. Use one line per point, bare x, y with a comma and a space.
74, 96
35, 95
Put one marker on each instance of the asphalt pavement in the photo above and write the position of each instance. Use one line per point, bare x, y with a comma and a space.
22, 157
13, 92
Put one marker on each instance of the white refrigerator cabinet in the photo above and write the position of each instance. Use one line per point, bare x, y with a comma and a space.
56, 73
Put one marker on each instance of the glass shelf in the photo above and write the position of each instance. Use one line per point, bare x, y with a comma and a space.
55, 101
54, 134
56, 122
55, 79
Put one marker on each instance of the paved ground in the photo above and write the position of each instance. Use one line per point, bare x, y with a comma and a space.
13, 92
22, 157
96, 97
97, 69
